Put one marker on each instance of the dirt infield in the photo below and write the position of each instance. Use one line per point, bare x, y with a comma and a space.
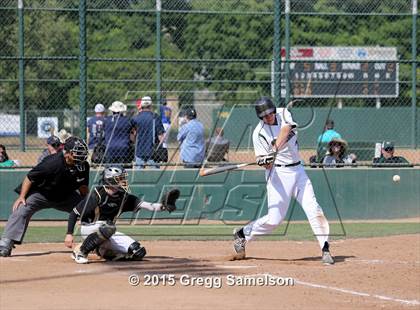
370, 274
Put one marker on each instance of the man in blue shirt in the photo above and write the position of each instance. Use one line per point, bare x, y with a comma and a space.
191, 137
117, 135
95, 126
149, 133
329, 133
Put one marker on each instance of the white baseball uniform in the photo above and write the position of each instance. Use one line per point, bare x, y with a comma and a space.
117, 244
286, 179
101, 207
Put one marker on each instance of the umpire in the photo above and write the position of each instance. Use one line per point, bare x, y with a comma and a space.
58, 182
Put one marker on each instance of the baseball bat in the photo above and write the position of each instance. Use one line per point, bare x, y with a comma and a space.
210, 171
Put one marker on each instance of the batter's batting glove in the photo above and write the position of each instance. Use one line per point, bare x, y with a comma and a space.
169, 200
266, 159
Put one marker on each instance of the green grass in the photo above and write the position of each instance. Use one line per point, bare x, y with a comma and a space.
295, 231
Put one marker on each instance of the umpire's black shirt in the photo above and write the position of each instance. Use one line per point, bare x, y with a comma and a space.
54, 179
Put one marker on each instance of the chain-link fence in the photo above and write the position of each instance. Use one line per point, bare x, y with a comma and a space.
353, 61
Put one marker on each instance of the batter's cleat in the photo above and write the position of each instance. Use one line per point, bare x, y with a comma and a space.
239, 243
6, 246
327, 259
79, 257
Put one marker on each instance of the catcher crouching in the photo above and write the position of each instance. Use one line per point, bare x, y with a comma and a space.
99, 212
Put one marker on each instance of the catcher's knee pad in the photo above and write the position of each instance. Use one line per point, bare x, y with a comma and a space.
91, 243
136, 251
107, 230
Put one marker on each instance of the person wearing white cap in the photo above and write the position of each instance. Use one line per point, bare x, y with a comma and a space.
149, 134
95, 126
117, 131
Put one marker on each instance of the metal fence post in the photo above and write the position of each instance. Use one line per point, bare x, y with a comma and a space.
83, 67
21, 77
413, 72
287, 50
277, 52
158, 51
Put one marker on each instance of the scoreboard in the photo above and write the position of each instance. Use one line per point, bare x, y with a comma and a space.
342, 72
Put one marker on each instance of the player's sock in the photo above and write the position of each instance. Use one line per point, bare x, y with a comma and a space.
321, 229
240, 233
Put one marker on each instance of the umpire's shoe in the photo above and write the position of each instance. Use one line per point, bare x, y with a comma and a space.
327, 259
6, 246
239, 243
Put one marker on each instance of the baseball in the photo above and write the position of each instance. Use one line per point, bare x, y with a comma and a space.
396, 178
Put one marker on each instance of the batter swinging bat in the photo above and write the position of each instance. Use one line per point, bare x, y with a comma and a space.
210, 171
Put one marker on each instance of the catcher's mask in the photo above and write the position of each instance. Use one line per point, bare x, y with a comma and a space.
116, 177
79, 150
264, 106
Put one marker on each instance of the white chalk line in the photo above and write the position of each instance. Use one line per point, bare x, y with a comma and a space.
381, 261
351, 292
402, 301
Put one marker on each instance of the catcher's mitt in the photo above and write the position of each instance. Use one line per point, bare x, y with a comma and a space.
169, 200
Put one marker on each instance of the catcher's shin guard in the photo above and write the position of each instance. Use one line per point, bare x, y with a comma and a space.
91, 243
107, 230
95, 239
136, 251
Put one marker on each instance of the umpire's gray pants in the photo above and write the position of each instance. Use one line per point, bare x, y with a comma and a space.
18, 221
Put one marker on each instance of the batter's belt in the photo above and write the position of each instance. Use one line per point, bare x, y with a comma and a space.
288, 165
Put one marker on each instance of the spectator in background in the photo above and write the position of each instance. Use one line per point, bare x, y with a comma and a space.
149, 133
217, 147
95, 127
388, 159
182, 119
191, 137
336, 156
329, 133
117, 129
54, 145
63, 135
165, 115
4, 158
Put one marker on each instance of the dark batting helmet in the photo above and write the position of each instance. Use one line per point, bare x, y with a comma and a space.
264, 106
115, 177
78, 148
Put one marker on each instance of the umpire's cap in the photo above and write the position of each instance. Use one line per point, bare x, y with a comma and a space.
54, 141
264, 106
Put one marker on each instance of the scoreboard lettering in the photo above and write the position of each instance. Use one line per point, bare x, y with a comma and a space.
345, 77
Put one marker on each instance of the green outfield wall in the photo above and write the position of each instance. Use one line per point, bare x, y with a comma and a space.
356, 193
